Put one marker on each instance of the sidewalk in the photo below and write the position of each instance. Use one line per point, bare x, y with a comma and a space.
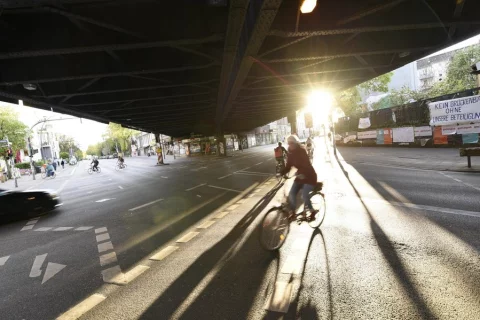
426, 159
27, 182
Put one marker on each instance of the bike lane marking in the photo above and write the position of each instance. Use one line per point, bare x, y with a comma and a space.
145, 205
30, 224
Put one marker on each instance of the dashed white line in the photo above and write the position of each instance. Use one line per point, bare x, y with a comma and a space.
108, 258
105, 246
62, 186
221, 215
223, 177
100, 230
135, 272
83, 228
120, 187
164, 177
195, 187
43, 229
104, 200
221, 188
3, 260
189, 236
163, 253
146, 204
73, 171
258, 163
103, 237
206, 224
62, 228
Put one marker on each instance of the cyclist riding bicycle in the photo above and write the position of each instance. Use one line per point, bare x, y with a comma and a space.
120, 161
280, 154
49, 169
307, 177
95, 164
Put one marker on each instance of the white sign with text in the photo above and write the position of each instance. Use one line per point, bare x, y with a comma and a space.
425, 131
455, 111
367, 135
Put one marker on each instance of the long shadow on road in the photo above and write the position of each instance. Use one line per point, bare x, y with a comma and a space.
235, 266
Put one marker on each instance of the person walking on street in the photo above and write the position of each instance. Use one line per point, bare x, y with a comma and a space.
63, 164
54, 163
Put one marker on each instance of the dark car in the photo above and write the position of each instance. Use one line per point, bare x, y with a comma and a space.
17, 205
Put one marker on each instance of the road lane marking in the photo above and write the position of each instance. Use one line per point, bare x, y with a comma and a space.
422, 207
458, 180
164, 177
221, 188
146, 204
100, 230
62, 228
206, 224
37, 265
30, 224
281, 297
189, 236
103, 237
120, 187
108, 258
248, 173
163, 253
114, 275
73, 171
106, 199
258, 163
199, 196
228, 175
83, 307
52, 270
233, 207
3, 260
190, 189
62, 187
221, 215
105, 246
43, 229
135, 272
83, 228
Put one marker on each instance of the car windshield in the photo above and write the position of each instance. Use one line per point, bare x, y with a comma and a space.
141, 175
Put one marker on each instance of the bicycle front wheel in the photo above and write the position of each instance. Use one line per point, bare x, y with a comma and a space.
99, 170
319, 206
90, 171
117, 167
274, 229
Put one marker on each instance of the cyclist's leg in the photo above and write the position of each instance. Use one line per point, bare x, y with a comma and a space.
307, 188
292, 196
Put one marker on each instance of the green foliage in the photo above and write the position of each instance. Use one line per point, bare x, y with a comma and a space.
378, 84
64, 155
349, 99
123, 136
66, 144
79, 154
14, 129
39, 163
23, 165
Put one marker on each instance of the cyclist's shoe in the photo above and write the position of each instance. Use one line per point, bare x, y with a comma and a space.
311, 216
301, 217
291, 215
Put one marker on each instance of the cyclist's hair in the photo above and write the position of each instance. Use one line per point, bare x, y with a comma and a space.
293, 138
279, 144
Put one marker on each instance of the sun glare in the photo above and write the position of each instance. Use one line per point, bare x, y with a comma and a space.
319, 104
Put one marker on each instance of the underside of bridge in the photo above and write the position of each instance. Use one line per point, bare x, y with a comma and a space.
206, 66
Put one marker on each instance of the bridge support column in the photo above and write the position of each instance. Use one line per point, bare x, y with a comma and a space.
292, 119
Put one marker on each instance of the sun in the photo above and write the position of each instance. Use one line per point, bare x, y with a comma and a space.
319, 104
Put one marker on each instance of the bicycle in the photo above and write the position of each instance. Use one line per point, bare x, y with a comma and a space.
276, 222
280, 167
90, 170
120, 166
43, 174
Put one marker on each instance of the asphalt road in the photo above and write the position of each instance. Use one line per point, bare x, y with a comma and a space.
397, 243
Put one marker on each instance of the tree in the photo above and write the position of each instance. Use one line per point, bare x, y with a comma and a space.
79, 154
67, 144
378, 84
64, 155
349, 99
123, 136
16, 131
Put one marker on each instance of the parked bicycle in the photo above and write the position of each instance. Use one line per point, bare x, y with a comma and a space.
276, 223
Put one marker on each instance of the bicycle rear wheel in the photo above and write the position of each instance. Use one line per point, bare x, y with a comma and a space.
274, 229
319, 205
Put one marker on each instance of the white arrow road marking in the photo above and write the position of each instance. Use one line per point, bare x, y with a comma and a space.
106, 199
3, 260
37, 265
52, 269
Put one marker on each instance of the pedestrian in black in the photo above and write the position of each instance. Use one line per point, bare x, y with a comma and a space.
63, 164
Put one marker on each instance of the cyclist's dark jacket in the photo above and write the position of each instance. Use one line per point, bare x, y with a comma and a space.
298, 158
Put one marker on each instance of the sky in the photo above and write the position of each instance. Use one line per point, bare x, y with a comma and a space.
87, 132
